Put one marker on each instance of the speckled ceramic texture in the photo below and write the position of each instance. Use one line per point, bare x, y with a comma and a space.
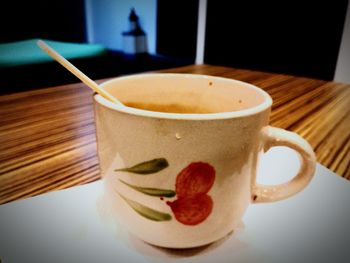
230, 142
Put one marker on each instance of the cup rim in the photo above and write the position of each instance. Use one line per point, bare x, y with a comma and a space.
185, 116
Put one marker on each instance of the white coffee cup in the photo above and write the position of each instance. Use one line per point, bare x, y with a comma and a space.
182, 180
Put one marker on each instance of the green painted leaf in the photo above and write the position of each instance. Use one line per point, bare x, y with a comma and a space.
149, 167
151, 191
147, 212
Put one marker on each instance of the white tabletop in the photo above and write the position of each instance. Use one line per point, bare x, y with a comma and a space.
66, 226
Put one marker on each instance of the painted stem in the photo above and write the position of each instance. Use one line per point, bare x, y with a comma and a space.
147, 212
148, 167
151, 191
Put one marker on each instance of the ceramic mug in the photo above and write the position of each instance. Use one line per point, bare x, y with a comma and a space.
182, 180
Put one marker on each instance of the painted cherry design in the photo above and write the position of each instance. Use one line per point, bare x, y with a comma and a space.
193, 183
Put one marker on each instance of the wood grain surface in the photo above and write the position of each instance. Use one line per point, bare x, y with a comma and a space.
47, 136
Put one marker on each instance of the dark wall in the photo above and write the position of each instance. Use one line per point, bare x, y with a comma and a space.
293, 37
177, 28
57, 19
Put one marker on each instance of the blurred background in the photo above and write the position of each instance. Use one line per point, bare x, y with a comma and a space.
109, 38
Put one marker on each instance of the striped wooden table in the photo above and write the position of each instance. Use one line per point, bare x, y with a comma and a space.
47, 136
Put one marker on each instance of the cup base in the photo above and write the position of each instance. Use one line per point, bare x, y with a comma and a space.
188, 249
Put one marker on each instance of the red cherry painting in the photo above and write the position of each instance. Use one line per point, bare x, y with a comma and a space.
192, 210
193, 204
193, 183
196, 178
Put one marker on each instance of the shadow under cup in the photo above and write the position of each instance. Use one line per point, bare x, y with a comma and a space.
200, 139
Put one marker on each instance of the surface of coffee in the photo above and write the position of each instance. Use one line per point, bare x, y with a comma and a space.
170, 108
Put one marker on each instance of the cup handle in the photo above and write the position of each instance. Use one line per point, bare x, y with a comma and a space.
278, 137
